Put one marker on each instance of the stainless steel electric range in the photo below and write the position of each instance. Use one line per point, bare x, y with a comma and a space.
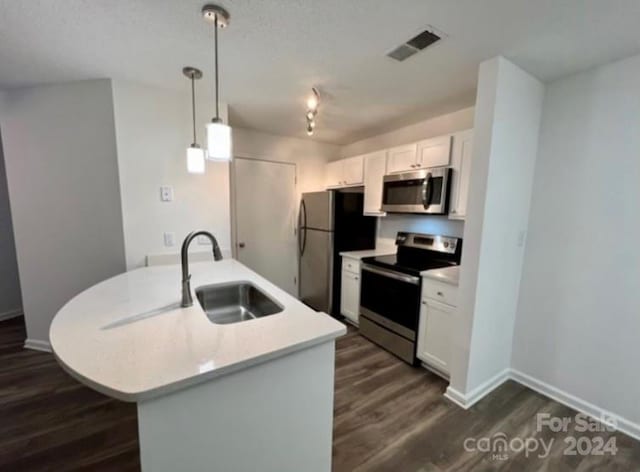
391, 288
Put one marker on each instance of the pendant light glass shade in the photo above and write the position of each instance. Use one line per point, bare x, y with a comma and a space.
195, 160
219, 143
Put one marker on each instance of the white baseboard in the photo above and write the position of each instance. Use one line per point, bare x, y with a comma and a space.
10, 314
623, 425
37, 345
466, 401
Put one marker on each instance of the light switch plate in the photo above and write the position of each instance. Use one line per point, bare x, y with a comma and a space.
169, 239
166, 193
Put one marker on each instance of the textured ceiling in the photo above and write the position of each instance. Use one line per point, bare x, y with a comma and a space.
275, 50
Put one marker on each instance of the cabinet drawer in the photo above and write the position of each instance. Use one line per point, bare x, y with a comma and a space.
440, 291
351, 265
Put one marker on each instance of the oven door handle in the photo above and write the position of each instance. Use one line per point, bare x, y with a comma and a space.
427, 191
392, 274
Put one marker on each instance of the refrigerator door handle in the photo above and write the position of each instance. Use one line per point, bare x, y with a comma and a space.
302, 225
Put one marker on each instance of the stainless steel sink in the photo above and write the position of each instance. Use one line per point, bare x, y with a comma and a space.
234, 302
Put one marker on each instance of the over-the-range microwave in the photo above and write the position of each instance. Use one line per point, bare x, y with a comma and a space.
423, 191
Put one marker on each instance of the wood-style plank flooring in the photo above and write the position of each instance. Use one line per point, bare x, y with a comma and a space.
388, 417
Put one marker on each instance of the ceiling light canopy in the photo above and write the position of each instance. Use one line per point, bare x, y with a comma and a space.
219, 140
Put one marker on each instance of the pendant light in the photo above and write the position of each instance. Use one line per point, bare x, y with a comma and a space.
195, 154
219, 142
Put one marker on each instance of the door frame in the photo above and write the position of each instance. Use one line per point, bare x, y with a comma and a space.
234, 207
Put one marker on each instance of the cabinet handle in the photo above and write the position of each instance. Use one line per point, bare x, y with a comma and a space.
453, 211
357, 278
440, 294
423, 302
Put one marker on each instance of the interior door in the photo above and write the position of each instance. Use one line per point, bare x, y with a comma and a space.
265, 198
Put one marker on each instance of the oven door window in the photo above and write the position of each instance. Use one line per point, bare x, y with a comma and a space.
395, 300
403, 192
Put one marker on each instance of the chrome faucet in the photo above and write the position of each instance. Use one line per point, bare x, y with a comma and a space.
187, 300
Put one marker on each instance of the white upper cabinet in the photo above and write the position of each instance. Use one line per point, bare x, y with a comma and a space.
353, 171
334, 173
434, 152
461, 164
402, 158
345, 172
375, 167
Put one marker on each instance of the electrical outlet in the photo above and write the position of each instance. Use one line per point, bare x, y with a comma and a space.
204, 241
169, 239
166, 193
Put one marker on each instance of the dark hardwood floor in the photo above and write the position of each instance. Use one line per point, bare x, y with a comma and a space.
388, 417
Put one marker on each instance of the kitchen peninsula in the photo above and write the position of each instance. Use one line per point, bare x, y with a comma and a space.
255, 394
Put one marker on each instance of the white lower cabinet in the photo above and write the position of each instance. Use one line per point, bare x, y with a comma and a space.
435, 329
350, 289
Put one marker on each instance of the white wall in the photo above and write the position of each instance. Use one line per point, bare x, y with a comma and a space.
389, 226
507, 117
578, 315
444, 124
153, 130
62, 171
10, 299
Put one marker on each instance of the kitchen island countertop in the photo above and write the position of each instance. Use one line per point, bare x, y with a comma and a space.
128, 337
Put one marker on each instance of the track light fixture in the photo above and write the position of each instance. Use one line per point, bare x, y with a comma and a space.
313, 102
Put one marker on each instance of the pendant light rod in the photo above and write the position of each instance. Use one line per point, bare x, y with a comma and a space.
220, 19
215, 40
193, 74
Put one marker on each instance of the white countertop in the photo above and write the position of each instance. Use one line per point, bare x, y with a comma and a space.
166, 348
368, 253
450, 275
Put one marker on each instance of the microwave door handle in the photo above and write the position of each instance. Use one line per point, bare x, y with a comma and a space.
426, 191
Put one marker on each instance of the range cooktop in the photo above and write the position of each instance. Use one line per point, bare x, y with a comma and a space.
420, 252
407, 265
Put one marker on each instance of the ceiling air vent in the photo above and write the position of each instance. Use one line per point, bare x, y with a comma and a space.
415, 44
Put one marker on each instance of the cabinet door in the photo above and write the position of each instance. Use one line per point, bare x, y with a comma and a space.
350, 296
434, 152
335, 174
402, 158
461, 164
435, 336
375, 166
353, 171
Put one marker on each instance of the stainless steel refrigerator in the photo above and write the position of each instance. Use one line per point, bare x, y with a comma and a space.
329, 223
